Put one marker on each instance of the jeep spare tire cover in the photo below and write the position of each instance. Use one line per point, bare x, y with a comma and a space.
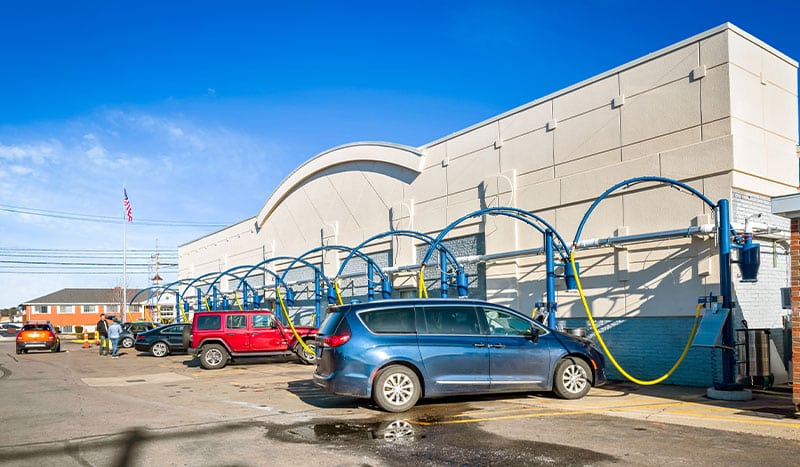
187, 336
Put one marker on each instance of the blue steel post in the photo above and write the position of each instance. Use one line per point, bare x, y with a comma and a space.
200, 300
370, 282
317, 299
443, 269
551, 278
177, 309
214, 299
725, 286
244, 296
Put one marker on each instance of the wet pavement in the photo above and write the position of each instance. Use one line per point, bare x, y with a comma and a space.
76, 408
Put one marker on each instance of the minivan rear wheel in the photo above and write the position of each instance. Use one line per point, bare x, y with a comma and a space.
572, 379
396, 389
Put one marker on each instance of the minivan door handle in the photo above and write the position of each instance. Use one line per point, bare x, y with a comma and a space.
497, 346
479, 345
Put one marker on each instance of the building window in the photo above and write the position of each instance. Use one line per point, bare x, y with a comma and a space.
66, 309
112, 308
135, 308
90, 308
42, 309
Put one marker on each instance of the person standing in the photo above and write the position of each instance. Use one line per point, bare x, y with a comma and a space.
102, 332
114, 331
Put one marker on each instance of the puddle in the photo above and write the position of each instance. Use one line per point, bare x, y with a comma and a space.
404, 442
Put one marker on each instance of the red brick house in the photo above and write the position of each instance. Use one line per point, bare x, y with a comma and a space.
68, 308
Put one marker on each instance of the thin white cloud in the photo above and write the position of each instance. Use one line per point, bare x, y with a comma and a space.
36, 152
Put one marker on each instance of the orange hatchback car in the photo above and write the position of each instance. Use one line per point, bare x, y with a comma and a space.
38, 335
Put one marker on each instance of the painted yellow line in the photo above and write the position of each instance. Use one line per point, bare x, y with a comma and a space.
691, 409
746, 419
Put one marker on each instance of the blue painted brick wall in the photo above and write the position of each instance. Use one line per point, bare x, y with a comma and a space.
647, 348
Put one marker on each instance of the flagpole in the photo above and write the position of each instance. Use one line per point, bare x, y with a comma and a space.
124, 260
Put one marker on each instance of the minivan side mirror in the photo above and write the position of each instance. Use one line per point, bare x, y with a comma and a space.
533, 336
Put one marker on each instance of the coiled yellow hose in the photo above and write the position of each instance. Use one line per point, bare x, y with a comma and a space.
608, 352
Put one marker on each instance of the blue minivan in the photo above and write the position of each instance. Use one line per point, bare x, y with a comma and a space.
398, 351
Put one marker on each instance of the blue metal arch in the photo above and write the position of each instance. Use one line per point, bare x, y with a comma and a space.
401, 233
146, 289
195, 280
630, 182
352, 251
516, 213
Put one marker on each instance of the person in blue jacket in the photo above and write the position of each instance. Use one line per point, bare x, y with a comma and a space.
114, 331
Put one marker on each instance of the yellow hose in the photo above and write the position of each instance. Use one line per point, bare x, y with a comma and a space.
289, 320
608, 352
338, 295
238, 303
208, 305
183, 314
423, 291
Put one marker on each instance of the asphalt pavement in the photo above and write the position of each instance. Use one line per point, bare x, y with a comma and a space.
77, 408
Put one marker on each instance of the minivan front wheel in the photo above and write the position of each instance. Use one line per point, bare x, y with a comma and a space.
572, 379
396, 389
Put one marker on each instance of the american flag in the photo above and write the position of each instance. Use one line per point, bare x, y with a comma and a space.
127, 204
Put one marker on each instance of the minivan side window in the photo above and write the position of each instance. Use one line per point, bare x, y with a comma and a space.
502, 323
451, 320
208, 323
391, 321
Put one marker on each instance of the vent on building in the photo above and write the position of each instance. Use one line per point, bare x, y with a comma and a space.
786, 298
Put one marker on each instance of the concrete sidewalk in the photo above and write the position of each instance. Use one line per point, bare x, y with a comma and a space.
768, 413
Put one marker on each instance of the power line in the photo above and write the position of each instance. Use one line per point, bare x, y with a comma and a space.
102, 219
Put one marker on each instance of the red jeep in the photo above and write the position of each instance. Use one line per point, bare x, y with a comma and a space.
218, 337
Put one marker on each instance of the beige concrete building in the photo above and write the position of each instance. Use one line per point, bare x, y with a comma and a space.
717, 111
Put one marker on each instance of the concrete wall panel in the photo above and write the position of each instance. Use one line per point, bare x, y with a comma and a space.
540, 196
666, 109
590, 133
528, 152
644, 210
590, 97
780, 112
715, 92
697, 160
749, 103
590, 185
666, 142
714, 50
466, 143
467, 173
662, 70
429, 185
589, 163
525, 121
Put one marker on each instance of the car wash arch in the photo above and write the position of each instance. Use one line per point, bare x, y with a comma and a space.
454, 274
712, 329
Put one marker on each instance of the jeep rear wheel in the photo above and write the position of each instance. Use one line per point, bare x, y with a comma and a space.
213, 356
309, 358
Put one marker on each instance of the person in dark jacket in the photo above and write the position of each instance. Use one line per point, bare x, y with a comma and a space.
102, 331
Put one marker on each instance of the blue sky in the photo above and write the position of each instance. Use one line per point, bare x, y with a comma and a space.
200, 108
